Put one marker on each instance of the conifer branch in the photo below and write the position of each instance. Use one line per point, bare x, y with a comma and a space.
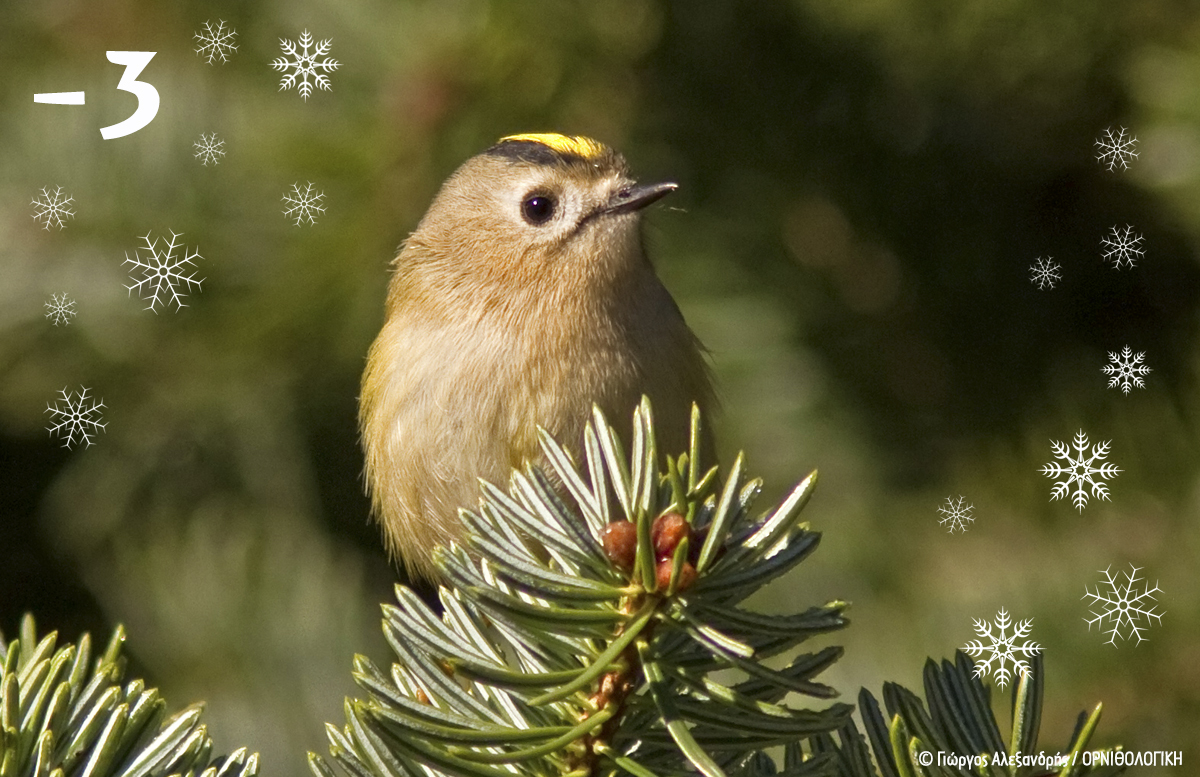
958, 734
60, 719
585, 621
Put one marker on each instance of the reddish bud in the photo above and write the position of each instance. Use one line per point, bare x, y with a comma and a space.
662, 574
620, 543
667, 532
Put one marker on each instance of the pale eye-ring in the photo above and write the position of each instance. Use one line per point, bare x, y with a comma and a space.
538, 208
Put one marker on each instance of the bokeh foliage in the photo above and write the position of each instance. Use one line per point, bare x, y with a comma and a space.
863, 187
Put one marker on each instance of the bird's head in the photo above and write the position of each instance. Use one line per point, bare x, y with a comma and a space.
538, 212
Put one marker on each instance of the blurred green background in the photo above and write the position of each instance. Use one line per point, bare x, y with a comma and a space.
863, 189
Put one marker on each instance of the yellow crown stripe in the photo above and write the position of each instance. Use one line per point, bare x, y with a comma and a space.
576, 145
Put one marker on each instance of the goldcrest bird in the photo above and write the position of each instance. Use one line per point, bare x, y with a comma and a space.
523, 297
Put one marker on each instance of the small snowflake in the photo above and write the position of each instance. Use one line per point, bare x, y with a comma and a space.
304, 64
957, 515
216, 42
304, 204
1122, 605
1079, 470
76, 418
1002, 648
1126, 370
1044, 273
209, 149
60, 308
52, 208
1122, 245
162, 273
1115, 149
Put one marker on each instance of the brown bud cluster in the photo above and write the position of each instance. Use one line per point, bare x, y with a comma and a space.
620, 545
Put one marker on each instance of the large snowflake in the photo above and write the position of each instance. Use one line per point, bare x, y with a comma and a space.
1126, 370
956, 514
60, 308
209, 149
303, 203
1044, 273
1123, 606
1115, 150
1122, 246
1002, 648
304, 64
52, 209
216, 42
160, 274
1079, 470
76, 418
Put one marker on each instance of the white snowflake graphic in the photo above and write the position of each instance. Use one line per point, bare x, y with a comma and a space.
304, 64
1044, 273
216, 42
1079, 470
159, 276
956, 515
1115, 149
52, 209
76, 418
1121, 605
1002, 648
304, 203
1126, 370
60, 308
209, 149
1122, 245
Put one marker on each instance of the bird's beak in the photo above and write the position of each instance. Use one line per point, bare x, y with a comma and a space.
633, 198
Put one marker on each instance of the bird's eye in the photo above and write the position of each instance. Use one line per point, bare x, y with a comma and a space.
538, 208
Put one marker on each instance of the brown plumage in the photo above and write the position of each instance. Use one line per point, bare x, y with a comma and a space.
523, 297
